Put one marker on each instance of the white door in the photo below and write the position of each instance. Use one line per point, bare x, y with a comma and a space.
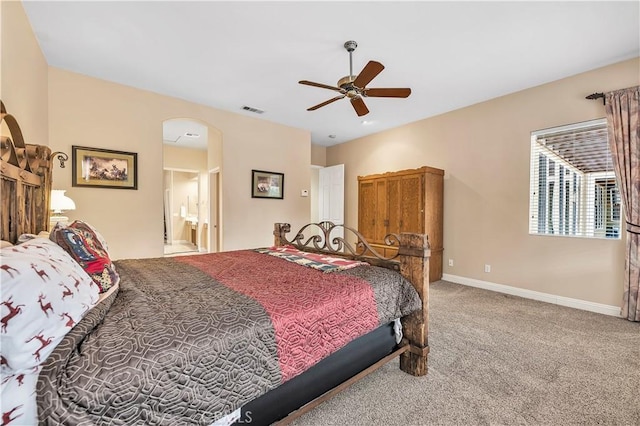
331, 196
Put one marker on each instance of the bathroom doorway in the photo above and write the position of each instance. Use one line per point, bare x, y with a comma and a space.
182, 211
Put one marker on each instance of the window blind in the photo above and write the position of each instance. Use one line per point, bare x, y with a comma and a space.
573, 190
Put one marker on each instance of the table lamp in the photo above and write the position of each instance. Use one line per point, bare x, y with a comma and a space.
59, 204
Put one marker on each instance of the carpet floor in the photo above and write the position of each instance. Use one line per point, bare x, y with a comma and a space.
498, 359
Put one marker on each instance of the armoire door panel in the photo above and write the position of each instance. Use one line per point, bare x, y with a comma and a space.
412, 211
381, 210
367, 209
394, 196
433, 213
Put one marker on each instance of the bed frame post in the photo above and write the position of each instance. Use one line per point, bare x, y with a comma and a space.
413, 255
279, 231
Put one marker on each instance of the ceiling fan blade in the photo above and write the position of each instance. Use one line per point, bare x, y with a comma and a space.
368, 73
387, 93
315, 107
322, 86
359, 106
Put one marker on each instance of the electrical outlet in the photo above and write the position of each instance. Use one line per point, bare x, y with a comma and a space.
487, 268
450, 262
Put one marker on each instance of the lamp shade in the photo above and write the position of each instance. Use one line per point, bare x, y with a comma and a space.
60, 202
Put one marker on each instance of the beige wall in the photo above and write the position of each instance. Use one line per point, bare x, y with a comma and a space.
184, 158
318, 155
90, 112
23, 74
484, 150
318, 158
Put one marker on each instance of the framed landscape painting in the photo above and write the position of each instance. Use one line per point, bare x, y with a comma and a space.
104, 168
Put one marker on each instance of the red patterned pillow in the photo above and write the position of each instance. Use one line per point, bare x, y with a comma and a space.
90, 233
85, 247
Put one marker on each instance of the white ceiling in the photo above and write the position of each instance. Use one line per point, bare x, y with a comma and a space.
231, 54
185, 134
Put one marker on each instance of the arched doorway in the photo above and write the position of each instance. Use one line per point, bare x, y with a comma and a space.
192, 210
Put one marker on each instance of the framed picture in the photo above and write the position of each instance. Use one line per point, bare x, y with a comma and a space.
267, 184
104, 168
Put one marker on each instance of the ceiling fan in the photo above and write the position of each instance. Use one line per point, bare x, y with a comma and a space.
354, 87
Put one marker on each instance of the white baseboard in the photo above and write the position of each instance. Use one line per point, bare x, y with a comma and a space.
536, 295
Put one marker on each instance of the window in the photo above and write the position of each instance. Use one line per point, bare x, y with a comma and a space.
573, 188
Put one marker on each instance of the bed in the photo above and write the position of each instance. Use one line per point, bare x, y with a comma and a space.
251, 336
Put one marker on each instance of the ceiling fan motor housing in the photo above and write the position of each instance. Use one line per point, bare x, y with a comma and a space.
346, 83
350, 45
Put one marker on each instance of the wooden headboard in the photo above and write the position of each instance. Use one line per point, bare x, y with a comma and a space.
25, 184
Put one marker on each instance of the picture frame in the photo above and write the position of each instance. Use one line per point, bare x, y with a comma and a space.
267, 184
103, 168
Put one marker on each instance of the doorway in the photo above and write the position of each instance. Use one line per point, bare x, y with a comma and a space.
192, 207
327, 201
182, 211
331, 197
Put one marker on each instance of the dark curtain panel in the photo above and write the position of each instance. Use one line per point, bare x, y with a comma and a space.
623, 122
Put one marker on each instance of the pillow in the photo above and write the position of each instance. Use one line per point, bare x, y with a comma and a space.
19, 397
26, 237
4, 244
44, 294
83, 246
90, 232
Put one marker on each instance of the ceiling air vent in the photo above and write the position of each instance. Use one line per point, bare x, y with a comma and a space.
252, 109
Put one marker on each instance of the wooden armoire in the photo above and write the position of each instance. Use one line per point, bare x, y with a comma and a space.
403, 201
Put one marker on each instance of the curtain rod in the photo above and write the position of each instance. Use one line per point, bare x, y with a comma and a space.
596, 95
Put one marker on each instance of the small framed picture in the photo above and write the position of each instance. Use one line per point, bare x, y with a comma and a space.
267, 184
104, 168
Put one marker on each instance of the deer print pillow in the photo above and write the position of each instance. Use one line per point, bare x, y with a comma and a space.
44, 293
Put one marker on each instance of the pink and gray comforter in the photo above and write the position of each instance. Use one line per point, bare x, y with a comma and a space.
188, 340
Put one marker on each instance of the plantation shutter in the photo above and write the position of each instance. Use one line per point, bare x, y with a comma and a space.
573, 188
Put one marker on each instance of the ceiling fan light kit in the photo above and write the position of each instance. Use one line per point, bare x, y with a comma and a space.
354, 87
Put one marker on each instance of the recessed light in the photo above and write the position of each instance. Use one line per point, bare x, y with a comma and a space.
366, 122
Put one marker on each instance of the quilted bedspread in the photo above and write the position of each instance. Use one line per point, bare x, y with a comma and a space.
187, 340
